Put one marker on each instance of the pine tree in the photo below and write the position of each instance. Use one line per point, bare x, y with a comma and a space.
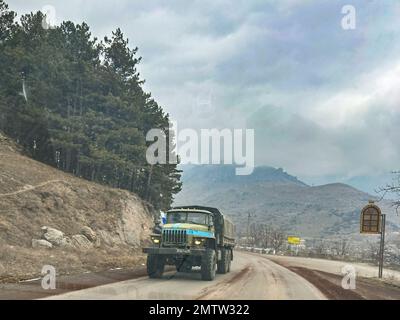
79, 104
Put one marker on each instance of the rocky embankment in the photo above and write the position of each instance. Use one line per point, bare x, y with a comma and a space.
48, 217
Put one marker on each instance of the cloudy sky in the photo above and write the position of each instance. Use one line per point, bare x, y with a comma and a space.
324, 101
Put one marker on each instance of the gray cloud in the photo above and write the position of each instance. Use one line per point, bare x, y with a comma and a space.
323, 101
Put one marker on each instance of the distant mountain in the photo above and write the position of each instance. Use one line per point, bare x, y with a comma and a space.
226, 174
280, 199
369, 184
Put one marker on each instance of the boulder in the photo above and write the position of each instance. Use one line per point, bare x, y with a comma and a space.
40, 243
66, 243
89, 233
79, 241
53, 236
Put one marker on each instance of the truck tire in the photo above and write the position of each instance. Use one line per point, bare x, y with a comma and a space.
155, 266
229, 260
222, 266
208, 265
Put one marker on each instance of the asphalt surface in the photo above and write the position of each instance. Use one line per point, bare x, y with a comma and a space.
251, 277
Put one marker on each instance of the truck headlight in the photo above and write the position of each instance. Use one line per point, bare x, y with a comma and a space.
198, 242
155, 240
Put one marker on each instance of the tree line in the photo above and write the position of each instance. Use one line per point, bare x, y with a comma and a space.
77, 103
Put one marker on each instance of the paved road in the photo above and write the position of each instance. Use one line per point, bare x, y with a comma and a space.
251, 277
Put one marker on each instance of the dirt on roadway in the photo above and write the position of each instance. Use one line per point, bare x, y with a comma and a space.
330, 283
251, 277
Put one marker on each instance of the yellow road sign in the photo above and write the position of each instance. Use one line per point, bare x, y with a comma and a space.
293, 240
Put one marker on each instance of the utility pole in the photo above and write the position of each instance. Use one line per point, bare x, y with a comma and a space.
249, 216
382, 245
248, 229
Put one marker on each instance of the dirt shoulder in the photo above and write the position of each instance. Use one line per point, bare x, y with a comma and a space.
335, 266
330, 285
33, 290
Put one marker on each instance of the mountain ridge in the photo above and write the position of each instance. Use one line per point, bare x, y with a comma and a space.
277, 198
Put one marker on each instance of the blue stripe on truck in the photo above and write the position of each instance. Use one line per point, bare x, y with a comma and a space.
196, 233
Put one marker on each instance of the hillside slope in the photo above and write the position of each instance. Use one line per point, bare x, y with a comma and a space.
102, 227
279, 199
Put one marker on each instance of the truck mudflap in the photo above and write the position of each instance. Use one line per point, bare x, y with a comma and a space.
174, 251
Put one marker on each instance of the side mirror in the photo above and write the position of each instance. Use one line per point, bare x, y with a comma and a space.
210, 222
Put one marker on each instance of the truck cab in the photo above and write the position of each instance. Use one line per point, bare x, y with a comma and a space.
192, 236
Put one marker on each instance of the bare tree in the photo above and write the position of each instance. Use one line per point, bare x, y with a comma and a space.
259, 234
341, 247
253, 235
373, 250
277, 239
266, 236
393, 188
320, 248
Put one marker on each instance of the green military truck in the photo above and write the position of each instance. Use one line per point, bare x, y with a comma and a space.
192, 236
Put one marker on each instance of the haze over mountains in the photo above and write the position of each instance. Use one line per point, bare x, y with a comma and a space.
277, 198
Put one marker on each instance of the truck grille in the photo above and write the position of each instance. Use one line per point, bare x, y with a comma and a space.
174, 236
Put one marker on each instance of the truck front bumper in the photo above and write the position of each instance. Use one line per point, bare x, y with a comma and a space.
175, 251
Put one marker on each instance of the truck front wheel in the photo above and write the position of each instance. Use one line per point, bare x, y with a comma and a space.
155, 266
208, 265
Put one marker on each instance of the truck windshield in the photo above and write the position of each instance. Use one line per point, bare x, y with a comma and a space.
187, 217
